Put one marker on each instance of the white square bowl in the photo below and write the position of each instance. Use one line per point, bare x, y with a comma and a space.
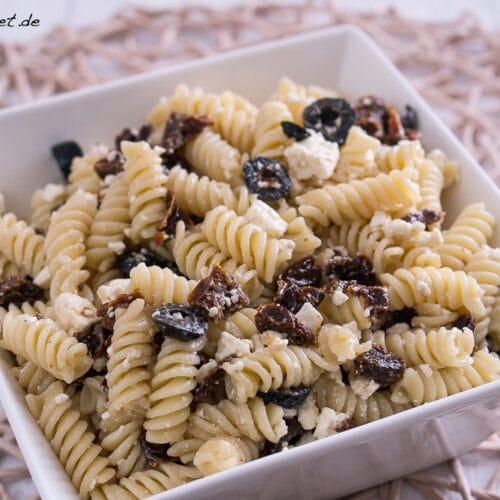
343, 58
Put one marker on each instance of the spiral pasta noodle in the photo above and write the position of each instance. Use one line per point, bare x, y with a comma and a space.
43, 202
246, 243
436, 348
146, 188
83, 175
130, 354
447, 166
403, 155
196, 257
174, 379
198, 195
212, 156
431, 183
65, 243
32, 378
468, 233
329, 394
424, 384
125, 448
143, 484
70, 439
341, 343
106, 232
358, 199
269, 138
43, 343
452, 289
272, 368
357, 157
159, 285
21, 245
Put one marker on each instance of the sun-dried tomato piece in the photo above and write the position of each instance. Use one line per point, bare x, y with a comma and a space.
211, 389
219, 294
465, 321
97, 340
395, 130
358, 268
180, 128
154, 453
18, 289
293, 434
380, 365
303, 272
293, 297
281, 320
133, 135
286, 398
166, 228
111, 164
426, 217
371, 114
404, 315
107, 310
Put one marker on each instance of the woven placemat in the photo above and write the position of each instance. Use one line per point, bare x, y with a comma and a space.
455, 66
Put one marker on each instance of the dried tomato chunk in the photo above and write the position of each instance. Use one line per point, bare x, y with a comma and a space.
18, 289
219, 294
97, 340
133, 135
173, 215
281, 320
107, 310
346, 268
111, 164
180, 128
304, 272
293, 297
380, 365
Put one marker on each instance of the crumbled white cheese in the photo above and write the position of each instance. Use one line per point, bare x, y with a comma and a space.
379, 220
310, 317
314, 157
230, 345
51, 191
290, 412
339, 297
422, 284
105, 415
109, 291
205, 370
233, 366
308, 413
398, 229
61, 398
158, 150
267, 218
362, 386
269, 339
42, 279
74, 312
212, 312
117, 246
109, 179
328, 423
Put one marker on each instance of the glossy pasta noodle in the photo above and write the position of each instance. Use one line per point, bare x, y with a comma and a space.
134, 406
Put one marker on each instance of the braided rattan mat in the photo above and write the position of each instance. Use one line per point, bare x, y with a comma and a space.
456, 66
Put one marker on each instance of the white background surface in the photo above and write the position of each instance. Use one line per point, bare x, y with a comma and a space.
81, 12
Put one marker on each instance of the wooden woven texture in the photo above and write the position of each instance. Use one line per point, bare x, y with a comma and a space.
455, 66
